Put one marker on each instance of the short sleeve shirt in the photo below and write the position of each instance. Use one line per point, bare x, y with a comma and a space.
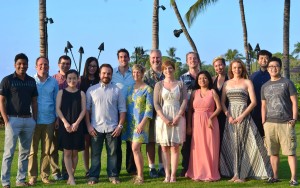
278, 103
18, 94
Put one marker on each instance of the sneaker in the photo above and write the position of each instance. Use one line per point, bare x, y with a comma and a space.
273, 180
161, 172
293, 183
57, 177
153, 173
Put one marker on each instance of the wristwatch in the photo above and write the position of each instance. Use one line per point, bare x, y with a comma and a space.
120, 126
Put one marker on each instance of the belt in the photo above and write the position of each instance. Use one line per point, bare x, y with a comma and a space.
20, 116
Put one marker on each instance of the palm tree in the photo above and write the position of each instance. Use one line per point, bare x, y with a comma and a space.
42, 28
200, 5
245, 35
286, 37
232, 54
185, 31
172, 55
296, 50
155, 25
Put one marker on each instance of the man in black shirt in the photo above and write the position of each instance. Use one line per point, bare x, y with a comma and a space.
18, 106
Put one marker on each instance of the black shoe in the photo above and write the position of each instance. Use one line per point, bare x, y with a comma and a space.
273, 180
182, 173
153, 173
293, 183
65, 176
161, 172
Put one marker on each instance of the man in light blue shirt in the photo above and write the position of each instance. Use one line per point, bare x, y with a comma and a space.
122, 77
47, 89
106, 110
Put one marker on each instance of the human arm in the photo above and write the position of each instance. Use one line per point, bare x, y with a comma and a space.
294, 109
263, 112
118, 129
88, 113
34, 107
182, 109
252, 104
223, 103
3, 109
157, 105
190, 115
148, 114
60, 114
122, 114
82, 113
217, 110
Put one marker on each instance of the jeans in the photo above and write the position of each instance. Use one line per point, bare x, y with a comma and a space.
43, 133
22, 129
111, 148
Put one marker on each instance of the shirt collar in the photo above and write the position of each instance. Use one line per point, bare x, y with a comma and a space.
103, 85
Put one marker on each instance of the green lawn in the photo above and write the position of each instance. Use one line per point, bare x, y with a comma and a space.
284, 174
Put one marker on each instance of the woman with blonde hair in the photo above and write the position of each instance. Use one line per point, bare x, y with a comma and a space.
243, 154
138, 115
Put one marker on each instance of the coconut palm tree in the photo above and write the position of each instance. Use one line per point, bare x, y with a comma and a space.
155, 25
200, 5
184, 29
286, 37
296, 50
42, 28
172, 55
232, 54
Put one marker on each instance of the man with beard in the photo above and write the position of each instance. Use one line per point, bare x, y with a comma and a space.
18, 106
106, 110
188, 79
259, 78
151, 77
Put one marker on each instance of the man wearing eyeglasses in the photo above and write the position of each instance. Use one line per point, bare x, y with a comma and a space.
279, 114
259, 78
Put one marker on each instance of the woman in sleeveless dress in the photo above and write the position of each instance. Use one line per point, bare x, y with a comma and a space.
203, 124
71, 108
243, 154
170, 100
218, 82
89, 78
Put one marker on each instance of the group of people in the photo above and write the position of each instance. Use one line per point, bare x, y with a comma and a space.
219, 121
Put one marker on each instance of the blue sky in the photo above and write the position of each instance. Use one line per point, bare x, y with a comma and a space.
127, 24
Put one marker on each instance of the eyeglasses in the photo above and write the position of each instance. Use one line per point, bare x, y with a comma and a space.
65, 64
273, 67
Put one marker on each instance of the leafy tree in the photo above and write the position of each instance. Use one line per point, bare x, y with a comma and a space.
233, 54
296, 50
172, 55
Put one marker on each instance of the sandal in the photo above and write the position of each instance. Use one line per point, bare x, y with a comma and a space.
239, 181
92, 182
173, 180
167, 180
138, 180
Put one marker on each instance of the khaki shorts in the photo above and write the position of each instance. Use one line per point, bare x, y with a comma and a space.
280, 135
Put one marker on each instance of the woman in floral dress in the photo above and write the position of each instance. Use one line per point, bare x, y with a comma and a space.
139, 113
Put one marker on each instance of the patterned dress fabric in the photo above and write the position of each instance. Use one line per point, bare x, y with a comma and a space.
205, 145
170, 135
242, 152
139, 105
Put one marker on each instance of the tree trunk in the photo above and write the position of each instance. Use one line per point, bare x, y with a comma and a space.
185, 31
42, 27
245, 36
286, 37
155, 25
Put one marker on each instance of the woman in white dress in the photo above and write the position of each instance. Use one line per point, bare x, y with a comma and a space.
170, 100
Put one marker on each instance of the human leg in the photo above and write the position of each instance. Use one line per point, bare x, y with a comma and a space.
166, 161
46, 140
69, 168
32, 159
86, 153
111, 148
138, 158
25, 137
174, 161
10, 142
96, 150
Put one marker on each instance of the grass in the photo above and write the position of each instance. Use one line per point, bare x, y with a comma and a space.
284, 174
